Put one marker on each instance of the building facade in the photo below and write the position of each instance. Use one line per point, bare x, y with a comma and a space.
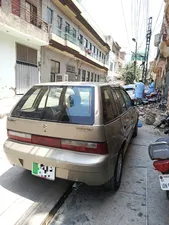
76, 52
51, 40
22, 33
116, 59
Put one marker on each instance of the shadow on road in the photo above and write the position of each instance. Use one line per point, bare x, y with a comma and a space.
23, 183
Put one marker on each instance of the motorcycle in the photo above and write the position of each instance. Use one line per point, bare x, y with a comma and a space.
159, 153
153, 97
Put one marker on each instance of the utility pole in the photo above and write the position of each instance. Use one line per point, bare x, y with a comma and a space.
135, 57
148, 39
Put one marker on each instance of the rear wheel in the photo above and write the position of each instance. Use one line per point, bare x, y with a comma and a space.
115, 181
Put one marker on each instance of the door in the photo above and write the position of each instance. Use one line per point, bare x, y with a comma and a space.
112, 122
26, 77
26, 70
130, 108
124, 112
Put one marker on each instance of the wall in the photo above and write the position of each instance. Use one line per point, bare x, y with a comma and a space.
7, 61
48, 55
8, 58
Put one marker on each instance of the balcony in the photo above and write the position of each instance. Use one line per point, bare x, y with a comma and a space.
69, 41
23, 25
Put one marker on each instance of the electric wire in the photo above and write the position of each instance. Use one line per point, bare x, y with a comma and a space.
125, 24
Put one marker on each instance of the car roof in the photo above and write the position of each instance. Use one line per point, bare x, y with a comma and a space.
93, 84
129, 86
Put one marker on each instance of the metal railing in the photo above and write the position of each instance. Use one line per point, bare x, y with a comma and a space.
69, 36
18, 10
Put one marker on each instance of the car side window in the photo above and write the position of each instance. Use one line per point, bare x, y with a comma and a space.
122, 104
108, 112
117, 103
126, 98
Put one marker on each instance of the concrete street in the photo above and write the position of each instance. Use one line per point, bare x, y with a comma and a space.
140, 201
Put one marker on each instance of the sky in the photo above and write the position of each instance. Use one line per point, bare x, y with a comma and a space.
109, 17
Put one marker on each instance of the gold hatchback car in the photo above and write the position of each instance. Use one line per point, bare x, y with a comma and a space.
75, 131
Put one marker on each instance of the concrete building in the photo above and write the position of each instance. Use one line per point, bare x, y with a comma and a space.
116, 59
76, 52
22, 33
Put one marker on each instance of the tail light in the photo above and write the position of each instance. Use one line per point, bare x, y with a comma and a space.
79, 146
19, 136
161, 165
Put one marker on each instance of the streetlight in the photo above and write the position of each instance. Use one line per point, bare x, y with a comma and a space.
135, 62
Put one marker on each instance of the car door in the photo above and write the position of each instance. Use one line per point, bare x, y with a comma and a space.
125, 114
111, 120
131, 109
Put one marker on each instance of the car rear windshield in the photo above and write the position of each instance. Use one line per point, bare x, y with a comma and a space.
64, 104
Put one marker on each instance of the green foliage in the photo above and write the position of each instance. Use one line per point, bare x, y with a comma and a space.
128, 73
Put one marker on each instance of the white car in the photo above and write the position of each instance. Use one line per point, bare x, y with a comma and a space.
130, 88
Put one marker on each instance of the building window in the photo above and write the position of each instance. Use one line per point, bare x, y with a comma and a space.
85, 43
31, 14
70, 68
100, 54
81, 39
49, 15
74, 33
79, 72
98, 78
88, 76
94, 49
92, 76
95, 78
97, 51
90, 46
59, 22
83, 75
15, 7
55, 69
111, 66
67, 28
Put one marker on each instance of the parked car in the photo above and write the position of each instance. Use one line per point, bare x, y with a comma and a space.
130, 88
75, 131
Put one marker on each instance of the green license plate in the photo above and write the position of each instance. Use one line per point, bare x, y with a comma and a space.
46, 172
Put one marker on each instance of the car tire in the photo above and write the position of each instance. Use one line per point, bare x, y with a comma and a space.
115, 181
135, 131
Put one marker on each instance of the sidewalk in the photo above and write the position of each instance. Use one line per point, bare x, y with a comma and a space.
7, 104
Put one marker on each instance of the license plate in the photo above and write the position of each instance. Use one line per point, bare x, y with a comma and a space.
46, 172
164, 182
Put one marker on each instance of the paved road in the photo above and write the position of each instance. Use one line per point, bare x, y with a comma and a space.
21, 193
139, 200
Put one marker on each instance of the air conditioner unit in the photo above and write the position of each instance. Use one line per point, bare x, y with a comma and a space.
59, 78
65, 77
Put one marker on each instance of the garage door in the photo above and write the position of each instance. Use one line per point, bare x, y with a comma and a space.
26, 68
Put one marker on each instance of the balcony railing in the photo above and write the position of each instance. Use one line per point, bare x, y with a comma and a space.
29, 16
71, 37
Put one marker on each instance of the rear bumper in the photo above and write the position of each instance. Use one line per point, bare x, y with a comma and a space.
91, 169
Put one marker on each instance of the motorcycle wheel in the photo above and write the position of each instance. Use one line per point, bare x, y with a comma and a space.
167, 194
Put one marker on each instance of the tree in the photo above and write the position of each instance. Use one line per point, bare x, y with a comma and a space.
128, 73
